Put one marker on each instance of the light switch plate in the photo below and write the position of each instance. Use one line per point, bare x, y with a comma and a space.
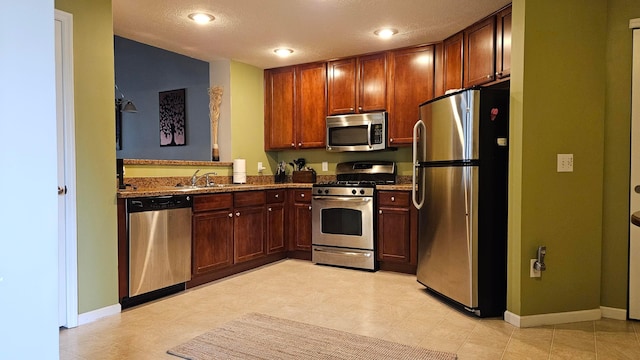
325, 166
565, 162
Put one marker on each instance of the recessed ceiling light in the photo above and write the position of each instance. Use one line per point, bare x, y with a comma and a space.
201, 18
385, 33
283, 52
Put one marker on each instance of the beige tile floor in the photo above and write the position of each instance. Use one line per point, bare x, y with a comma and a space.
383, 304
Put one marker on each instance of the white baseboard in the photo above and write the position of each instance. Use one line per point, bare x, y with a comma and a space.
613, 313
94, 315
553, 318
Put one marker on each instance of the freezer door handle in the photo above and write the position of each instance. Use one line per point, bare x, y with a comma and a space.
416, 166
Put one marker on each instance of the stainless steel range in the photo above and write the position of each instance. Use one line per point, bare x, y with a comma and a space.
344, 224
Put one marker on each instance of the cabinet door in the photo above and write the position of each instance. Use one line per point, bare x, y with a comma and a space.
411, 83
503, 43
249, 233
311, 105
279, 108
452, 62
372, 86
480, 52
342, 86
212, 241
302, 226
275, 228
393, 234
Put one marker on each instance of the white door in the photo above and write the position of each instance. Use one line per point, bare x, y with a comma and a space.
67, 253
634, 193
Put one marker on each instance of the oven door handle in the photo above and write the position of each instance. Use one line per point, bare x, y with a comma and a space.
339, 198
342, 252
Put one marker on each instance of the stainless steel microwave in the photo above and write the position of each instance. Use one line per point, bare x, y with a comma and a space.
357, 132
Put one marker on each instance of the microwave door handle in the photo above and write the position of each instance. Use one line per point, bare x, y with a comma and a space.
369, 134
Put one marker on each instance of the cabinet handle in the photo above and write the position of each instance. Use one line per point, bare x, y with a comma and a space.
393, 198
299, 144
230, 215
390, 140
309, 207
359, 108
301, 195
238, 213
269, 209
499, 74
379, 211
293, 145
350, 109
277, 195
488, 76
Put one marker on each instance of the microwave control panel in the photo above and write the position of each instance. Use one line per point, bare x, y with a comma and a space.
377, 134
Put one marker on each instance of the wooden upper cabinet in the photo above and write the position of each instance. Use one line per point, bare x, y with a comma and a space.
357, 84
372, 89
279, 109
342, 86
503, 43
480, 52
295, 107
411, 82
452, 63
311, 105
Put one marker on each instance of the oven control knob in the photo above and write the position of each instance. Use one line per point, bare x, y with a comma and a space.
361, 191
353, 191
319, 191
326, 191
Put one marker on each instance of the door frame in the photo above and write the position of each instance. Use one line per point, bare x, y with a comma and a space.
68, 117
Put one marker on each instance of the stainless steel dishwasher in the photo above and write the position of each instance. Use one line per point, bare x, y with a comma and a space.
159, 242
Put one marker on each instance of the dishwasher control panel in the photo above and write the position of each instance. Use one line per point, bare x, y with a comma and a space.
159, 203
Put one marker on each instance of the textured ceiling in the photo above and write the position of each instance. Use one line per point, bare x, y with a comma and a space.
249, 30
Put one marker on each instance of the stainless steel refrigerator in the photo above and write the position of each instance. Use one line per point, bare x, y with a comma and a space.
460, 156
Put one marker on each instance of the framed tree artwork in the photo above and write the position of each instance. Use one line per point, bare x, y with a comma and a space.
172, 117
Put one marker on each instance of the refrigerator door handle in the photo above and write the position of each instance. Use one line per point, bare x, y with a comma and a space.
416, 166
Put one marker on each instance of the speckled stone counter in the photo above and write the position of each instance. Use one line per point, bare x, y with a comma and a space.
161, 186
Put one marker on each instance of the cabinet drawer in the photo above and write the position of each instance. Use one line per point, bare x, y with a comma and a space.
212, 202
302, 196
248, 198
393, 198
275, 196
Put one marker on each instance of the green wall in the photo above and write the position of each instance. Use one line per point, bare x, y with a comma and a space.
562, 91
615, 220
95, 152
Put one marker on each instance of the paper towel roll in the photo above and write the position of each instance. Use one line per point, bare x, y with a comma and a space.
239, 171
240, 166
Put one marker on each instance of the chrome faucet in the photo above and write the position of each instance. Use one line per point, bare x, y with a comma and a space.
194, 178
207, 182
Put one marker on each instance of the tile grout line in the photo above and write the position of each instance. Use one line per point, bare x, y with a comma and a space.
504, 351
553, 336
595, 339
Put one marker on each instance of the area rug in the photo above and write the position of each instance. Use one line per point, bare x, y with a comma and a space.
258, 336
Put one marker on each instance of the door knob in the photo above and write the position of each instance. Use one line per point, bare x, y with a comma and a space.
637, 189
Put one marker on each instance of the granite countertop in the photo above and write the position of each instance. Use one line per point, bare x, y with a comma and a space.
173, 190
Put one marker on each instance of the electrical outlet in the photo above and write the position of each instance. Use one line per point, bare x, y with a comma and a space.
533, 272
325, 166
565, 162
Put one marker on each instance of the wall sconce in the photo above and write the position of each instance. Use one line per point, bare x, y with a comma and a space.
122, 105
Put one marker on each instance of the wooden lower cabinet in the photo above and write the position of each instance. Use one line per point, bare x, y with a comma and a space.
276, 218
397, 232
212, 241
300, 220
249, 225
229, 235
